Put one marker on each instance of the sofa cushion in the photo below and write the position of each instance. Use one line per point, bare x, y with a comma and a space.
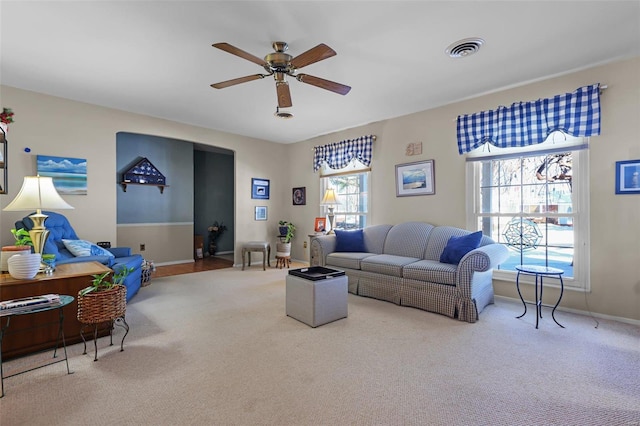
347, 260
431, 271
439, 238
374, 238
408, 239
350, 241
386, 264
457, 247
85, 248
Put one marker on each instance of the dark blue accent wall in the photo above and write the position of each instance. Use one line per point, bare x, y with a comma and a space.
214, 196
144, 203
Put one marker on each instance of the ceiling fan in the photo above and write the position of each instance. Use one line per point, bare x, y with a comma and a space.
280, 64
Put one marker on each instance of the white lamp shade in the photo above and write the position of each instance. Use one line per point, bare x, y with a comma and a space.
329, 198
37, 193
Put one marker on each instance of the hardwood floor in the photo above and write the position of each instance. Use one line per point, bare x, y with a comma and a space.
207, 264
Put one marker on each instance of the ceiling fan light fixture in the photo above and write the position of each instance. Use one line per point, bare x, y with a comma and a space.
465, 47
285, 115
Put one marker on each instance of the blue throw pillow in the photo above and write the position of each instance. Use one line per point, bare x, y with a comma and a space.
85, 248
350, 241
457, 247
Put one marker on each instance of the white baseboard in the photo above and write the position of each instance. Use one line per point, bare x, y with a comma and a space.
174, 262
581, 312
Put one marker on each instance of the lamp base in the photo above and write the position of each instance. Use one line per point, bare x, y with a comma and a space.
331, 216
38, 233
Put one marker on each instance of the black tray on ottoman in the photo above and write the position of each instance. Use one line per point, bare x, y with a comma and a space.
316, 273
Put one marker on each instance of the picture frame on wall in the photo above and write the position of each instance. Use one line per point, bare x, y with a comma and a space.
320, 224
299, 196
260, 188
261, 213
628, 177
69, 174
416, 178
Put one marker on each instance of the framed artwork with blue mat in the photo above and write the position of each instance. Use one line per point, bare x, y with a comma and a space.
628, 177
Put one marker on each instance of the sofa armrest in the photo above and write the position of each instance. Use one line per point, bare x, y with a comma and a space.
322, 246
482, 259
120, 251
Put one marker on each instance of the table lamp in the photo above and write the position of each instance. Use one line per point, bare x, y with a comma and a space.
37, 193
330, 201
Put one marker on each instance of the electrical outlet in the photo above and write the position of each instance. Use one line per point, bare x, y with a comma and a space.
142, 247
305, 244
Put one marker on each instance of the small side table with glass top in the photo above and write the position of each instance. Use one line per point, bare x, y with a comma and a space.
64, 301
540, 272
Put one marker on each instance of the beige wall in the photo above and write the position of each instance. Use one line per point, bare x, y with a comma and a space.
615, 223
54, 126
165, 243
60, 127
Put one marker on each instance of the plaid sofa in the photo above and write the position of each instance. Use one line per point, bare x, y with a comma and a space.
401, 264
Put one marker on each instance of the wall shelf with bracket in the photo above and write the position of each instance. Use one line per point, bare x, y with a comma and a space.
124, 185
144, 173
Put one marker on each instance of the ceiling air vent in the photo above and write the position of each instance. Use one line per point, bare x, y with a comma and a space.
465, 47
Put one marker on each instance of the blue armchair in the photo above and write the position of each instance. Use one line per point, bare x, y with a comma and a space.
60, 228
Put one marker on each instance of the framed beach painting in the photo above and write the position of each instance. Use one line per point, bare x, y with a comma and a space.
415, 178
69, 174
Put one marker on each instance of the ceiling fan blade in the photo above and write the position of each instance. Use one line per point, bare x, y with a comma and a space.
324, 84
235, 81
239, 52
315, 54
284, 94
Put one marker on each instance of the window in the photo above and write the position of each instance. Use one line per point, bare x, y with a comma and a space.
535, 201
352, 191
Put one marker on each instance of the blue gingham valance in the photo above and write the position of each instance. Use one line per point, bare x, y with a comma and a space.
529, 123
338, 155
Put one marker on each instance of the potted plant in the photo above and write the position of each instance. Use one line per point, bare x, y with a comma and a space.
104, 301
22, 245
215, 231
23, 239
282, 227
287, 231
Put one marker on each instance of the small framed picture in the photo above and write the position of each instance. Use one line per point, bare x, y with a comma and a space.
261, 213
260, 188
299, 196
415, 179
628, 177
320, 224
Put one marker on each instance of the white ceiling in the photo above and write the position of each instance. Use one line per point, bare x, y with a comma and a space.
155, 57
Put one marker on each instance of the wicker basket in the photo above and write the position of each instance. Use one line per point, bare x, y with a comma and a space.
102, 306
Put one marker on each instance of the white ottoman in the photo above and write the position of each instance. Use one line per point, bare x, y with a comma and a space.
317, 295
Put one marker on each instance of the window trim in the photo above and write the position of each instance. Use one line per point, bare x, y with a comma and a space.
324, 210
582, 262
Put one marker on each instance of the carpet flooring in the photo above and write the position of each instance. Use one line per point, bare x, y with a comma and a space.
216, 348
